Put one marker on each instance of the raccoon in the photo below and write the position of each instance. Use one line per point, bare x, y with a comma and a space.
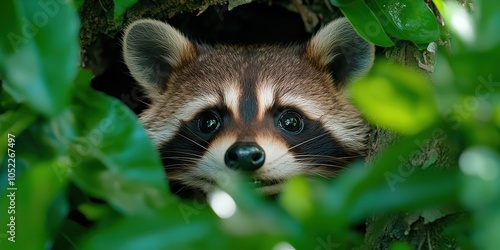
270, 111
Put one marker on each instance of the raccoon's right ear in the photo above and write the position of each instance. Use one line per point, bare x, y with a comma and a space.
151, 50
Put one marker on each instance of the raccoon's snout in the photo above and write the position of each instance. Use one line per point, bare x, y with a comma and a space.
246, 156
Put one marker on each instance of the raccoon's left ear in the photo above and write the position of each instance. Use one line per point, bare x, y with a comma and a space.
338, 48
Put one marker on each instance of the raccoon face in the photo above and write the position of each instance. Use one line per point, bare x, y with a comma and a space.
271, 111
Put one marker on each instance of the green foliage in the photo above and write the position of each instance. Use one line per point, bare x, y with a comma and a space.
36, 68
72, 144
365, 22
121, 6
406, 94
410, 20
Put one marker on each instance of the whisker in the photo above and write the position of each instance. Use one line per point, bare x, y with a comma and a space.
305, 159
327, 156
180, 158
308, 140
192, 132
302, 143
209, 154
324, 158
194, 142
143, 102
323, 165
177, 152
330, 176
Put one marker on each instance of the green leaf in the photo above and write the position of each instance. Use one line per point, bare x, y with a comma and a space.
390, 183
78, 3
419, 189
121, 6
407, 19
366, 24
486, 24
400, 246
167, 230
345, 3
39, 52
68, 235
94, 211
395, 98
13, 123
481, 166
296, 198
111, 155
391, 165
105, 179
257, 214
476, 31
432, 214
36, 190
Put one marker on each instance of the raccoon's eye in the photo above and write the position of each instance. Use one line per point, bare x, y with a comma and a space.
208, 122
291, 121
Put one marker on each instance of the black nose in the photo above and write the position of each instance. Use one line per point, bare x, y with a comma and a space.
246, 156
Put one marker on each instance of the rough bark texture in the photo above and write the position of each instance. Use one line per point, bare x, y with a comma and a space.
100, 32
421, 229
98, 23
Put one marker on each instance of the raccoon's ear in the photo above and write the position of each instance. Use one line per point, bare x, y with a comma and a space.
151, 50
339, 49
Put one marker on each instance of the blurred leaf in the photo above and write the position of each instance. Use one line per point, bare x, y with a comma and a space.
390, 166
458, 21
37, 68
486, 24
7, 103
407, 19
121, 6
345, 3
433, 157
36, 190
113, 158
93, 211
258, 215
395, 98
128, 195
69, 235
400, 246
14, 122
57, 212
78, 3
366, 23
420, 189
165, 230
433, 214
114, 136
481, 166
296, 198
488, 226
482, 198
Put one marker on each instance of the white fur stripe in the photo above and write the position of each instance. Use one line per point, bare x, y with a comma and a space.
265, 96
232, 96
